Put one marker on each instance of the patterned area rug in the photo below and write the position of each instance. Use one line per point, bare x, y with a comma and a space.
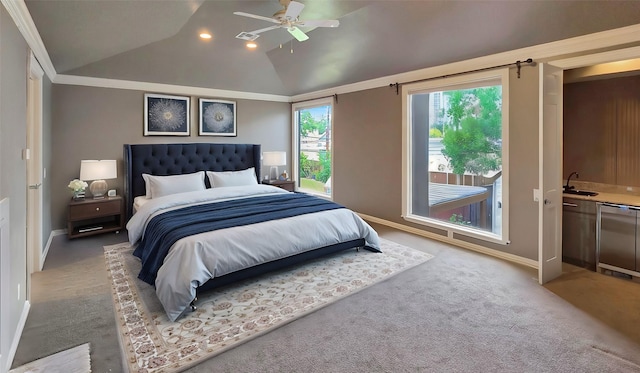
234, 314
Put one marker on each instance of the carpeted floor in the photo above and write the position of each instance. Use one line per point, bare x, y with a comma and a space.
459, 312
73, 360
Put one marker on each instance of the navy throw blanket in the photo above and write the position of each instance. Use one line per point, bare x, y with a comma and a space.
165, 229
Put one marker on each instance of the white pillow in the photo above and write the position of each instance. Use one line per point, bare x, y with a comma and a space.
232, 178
158, 186
138, 202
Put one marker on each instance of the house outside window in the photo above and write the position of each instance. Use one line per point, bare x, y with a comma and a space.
456, 173
312, 123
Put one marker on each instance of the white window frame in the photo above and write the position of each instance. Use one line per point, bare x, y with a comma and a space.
445, 84
295, 146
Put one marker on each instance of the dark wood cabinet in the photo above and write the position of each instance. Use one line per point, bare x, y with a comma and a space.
289, 185
94, 216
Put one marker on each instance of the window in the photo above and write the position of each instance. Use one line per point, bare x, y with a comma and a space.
312, 123
455, 155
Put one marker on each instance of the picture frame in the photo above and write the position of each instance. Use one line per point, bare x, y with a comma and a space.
166, 115
217, 118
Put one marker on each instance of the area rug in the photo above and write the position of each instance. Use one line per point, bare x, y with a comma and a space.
234, 314
73, 360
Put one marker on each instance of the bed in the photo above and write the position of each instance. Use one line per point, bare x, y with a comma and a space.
200, 220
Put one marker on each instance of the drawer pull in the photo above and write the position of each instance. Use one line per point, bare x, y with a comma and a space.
97, 208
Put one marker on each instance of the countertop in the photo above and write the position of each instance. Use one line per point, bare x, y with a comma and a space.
606, 193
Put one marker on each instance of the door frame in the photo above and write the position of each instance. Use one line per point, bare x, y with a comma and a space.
565, 64
35, 174
5, 269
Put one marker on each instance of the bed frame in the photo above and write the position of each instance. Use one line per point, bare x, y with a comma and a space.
175, 159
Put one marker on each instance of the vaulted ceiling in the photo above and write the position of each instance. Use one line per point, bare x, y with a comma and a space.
157, 40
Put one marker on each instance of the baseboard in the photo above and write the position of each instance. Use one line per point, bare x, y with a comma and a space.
16, 338
58, 232
452, 241
43, 256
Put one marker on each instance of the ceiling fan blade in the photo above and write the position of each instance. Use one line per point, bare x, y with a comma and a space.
293, 10
297, 33
256, 17
319, 23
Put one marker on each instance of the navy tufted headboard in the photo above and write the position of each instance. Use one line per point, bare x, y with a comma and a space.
176, 159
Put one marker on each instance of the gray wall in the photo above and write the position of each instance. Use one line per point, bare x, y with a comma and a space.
368, 159
13, 171
94, 123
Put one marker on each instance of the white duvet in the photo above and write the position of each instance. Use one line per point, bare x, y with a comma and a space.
194, 260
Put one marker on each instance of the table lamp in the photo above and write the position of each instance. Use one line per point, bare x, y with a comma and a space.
98, 171
274, 159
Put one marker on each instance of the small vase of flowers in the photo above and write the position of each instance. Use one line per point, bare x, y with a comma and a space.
78, 186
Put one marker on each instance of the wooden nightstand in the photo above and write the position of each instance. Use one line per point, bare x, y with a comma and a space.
94, 216
289, 185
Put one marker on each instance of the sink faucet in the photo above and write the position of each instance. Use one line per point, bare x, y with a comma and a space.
568, 187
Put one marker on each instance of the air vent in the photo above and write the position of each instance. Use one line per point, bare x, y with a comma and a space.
247, 36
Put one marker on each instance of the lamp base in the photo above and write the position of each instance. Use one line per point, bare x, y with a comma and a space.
273, 173
98, 188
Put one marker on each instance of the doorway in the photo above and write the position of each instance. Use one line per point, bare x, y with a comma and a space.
35, 174
549, 270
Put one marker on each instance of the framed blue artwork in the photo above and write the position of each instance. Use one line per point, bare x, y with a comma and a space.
166, 115
217, 118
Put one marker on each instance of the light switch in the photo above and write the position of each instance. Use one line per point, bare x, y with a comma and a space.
536, 195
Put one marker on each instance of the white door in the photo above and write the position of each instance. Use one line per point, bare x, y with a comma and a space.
550, 174
35, 256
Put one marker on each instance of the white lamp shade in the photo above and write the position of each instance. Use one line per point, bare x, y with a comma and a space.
274, 158
98, 170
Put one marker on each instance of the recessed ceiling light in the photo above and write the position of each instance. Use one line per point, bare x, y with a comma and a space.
205, 35
252, 45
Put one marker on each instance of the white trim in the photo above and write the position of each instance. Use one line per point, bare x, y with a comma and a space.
22, 18
452, 229
5, 281
295, 138
452, 241
57, 232
16, 337
35, 166
491, 77
565, 47
576, 62
579, 44
34, 67
598, 58
53, 233
165, 88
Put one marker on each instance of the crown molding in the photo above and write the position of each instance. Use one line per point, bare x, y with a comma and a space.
18, 11
598, 58
549, 51
164, 88
553, 50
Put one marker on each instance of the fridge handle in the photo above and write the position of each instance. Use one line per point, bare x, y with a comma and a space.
622, 207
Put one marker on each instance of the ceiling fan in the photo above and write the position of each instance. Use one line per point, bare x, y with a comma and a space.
286, 18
